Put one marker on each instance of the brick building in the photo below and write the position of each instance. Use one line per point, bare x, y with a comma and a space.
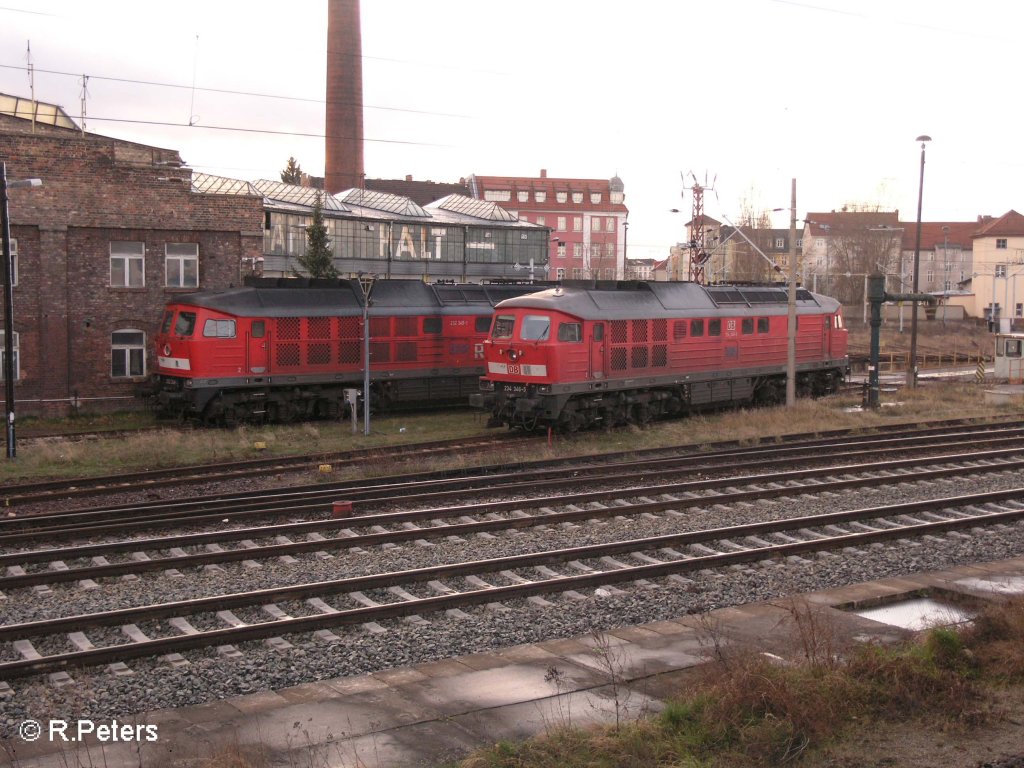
587, 218
115, 229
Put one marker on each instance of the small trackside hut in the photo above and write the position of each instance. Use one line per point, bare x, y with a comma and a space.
587, 354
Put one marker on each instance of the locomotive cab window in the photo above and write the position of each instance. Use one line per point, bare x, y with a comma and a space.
482, 324
186, 324
535, 328
570, 332
762, 325
165, 325
503, 326
259, 329
697, 328
432, 325
748, 325
714, 327
1013, 347
598, 331
219, 329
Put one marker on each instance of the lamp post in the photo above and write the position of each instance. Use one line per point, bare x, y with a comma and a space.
912, 363
791, 305
945, 270
366, 284
9, 369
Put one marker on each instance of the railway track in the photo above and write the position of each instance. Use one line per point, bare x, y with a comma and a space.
167, 594
608, 470
49, 490
519, 577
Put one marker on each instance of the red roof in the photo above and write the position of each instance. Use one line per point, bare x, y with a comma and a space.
1010, 224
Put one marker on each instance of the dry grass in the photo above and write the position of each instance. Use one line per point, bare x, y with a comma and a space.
61, 458
749, 710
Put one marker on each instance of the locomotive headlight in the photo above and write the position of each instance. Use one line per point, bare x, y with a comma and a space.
544, 389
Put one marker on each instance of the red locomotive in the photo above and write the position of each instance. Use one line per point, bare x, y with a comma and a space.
577, 356
273, 353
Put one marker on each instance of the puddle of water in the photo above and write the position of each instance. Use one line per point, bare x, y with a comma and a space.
1010, 585
917, 614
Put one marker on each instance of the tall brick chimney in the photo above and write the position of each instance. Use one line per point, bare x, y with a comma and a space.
344, 129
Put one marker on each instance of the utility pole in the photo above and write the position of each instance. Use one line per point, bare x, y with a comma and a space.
791, 339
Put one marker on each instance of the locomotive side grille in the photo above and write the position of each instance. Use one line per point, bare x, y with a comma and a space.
660, 356
406, 352
640, 329
679, 329
638, 358
349, 352
348, 328
660, 330
618, 332
319, 327
406, 326
380, 326
289, 328
287, 355
380, 352
318, 353
618, 358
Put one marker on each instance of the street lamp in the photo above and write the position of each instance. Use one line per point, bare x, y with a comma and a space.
912, 366
945, 270
9, 371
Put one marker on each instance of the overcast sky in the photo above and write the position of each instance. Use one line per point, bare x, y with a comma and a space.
747, 94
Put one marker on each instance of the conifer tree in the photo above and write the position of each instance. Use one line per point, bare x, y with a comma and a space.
318, 261
292, 174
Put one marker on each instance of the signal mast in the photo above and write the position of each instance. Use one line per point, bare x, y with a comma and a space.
698, 253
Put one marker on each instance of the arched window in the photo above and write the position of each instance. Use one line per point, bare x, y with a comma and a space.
127, 353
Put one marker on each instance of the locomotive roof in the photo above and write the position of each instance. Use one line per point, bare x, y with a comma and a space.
626, 300
345, 298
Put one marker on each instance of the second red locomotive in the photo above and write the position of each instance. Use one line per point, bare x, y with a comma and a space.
280, 351
577, 356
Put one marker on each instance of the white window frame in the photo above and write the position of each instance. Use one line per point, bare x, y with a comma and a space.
595, 224
1000, 270
780, 242
541, 221
127, 259
561, 224
609, 224
561, 197
187, 253
595, 197
540, 197
560, 273
1001, 243
577, 250
132, 354
3, 355
523, 196
498, 195
14, 262
577, 223
577, 198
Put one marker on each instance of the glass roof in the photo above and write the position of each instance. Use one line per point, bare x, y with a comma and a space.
205, 183
51, 114
296, 195
382, 201
468, 206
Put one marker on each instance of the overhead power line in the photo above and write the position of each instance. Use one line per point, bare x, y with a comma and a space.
225, 91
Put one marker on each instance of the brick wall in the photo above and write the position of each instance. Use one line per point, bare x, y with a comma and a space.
97, 190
